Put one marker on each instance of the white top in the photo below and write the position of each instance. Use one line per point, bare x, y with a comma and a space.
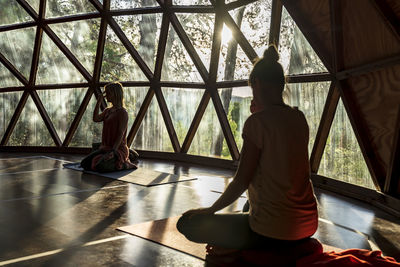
281, 196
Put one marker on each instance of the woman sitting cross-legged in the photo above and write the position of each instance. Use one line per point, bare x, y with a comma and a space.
274, 168
113, 153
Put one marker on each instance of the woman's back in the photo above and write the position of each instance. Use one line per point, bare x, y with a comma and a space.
114, 119
281, 195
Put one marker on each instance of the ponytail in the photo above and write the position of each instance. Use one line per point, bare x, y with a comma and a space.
268, 69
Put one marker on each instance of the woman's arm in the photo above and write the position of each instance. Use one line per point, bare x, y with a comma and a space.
96, 116
249, 160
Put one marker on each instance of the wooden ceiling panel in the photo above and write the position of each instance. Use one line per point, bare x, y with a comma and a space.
394, 6
366, 35
378, 98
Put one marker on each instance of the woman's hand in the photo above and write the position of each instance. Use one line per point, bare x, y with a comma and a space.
100, 98
96, 116
255, 107
199, 211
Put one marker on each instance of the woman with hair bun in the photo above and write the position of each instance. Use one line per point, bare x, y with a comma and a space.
274, 168
113, 153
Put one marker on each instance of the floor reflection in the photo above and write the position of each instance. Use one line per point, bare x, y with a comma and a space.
61, 217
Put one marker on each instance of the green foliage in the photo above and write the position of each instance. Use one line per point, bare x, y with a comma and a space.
342, 157
234, 112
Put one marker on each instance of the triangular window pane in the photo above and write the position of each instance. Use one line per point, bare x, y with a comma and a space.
181, 105
254, 21
209, 140
190, 2
81, 38
88, 131
133, 99
61, 106
310, 98
11, 13
143, 32
30, 129
118, 64
297, 55
8, 104
56, 8
7, 79
236, 103
17, 47
126, 4
343, 159
199, 28
54, 67
152, 134
34, 4
177, 65
233, 62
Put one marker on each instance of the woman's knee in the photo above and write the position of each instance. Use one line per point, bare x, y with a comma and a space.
86, 164
182, 223
191, 226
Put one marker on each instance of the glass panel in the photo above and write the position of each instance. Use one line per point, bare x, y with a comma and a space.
152, 134
30, 129
209, 139
177, 65
8, 104
34, 4
88, 131
61, 106
7, 79
81, 38
232, 53
297, 56
181, 105
118, 65
56, 8
191, 2
310, 98
125, 4
236, 102
11, 13
133, 99
143, 31
342, 159
17, 47
54, 67
254, 21
199, 28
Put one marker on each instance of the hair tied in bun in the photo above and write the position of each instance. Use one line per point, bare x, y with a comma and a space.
271, 53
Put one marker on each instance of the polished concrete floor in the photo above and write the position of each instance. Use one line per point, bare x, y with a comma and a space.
51, 216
